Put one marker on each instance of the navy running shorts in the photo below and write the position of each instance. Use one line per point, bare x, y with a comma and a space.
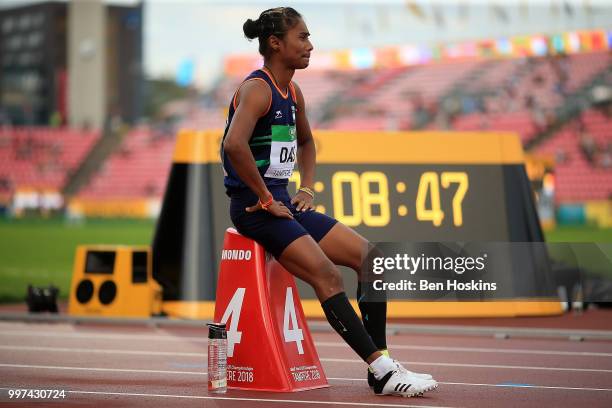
274, 233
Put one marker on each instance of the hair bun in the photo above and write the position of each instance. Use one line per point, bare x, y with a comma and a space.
252, 29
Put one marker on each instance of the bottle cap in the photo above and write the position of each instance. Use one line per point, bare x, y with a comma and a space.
217, 331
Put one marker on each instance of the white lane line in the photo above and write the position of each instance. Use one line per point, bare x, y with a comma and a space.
478, 350
132, 394
330, 360
106, 336
121, 370
547, 387
496, 385
197, 373
409, 363
103, 351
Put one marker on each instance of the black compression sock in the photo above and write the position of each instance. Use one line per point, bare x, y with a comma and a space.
374, 317
342, 317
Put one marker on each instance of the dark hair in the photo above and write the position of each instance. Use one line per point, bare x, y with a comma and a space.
275, 21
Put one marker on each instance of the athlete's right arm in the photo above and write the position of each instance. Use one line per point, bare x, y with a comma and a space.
253, 101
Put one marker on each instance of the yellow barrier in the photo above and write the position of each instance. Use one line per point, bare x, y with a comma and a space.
116, 207
399, 309
599, 212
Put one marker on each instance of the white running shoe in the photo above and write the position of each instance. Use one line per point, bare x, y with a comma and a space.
402, 384
421, 376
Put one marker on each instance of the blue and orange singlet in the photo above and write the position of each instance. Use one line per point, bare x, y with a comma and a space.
273, 142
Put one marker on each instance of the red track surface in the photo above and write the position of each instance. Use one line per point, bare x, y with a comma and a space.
118, 366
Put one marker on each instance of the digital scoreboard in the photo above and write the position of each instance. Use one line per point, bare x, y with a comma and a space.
388, 186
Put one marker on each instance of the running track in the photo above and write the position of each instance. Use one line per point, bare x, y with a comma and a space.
140, 366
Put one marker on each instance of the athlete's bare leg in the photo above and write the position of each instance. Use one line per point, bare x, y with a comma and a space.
304, 259
344, 246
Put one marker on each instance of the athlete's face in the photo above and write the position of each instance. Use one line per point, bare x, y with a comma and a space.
295, 47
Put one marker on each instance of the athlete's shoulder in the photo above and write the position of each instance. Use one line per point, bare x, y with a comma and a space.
254, 94
258, 73
257, 77
254, 84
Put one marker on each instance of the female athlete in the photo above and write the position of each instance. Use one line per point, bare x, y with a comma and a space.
267, 132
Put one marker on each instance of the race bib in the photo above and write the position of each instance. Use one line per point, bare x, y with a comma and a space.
283, 152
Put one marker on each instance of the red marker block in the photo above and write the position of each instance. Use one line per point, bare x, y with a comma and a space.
269, 346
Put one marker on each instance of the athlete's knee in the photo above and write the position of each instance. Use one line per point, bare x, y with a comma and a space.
359, 254
365, 270
332, 276
329, 279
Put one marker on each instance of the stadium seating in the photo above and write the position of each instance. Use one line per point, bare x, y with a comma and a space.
360, 123
495, 72
41, 158
577, 178
520, 122
138, 169
524, 93
395, 99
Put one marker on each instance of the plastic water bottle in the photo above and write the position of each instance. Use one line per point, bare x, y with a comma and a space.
217, 357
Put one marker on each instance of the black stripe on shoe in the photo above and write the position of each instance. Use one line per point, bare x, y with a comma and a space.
380, 384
